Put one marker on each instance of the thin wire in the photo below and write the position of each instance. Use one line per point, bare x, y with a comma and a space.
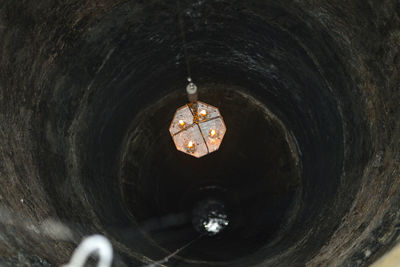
184, 43
166, 259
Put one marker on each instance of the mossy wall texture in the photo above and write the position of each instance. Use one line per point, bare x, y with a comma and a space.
87, 92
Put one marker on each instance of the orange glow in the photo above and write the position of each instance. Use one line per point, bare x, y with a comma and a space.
213, 133
181, 123
190, 145
203, 113
191, 148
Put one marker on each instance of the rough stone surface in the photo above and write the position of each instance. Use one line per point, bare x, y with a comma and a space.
74, 75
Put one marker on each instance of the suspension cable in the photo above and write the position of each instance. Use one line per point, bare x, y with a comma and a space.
184, 43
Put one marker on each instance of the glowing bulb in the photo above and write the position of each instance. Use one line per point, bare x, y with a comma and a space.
191, 146
181, 123
203, 113
213, 133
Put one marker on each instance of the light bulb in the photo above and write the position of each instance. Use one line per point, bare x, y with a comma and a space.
213, 133
203, 113
181, 123
191, 146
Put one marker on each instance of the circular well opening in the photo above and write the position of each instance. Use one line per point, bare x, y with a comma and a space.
254, 175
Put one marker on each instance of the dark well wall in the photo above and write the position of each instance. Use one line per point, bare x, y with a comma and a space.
88, 89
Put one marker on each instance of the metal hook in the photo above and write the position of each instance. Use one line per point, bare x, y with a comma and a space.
92, 244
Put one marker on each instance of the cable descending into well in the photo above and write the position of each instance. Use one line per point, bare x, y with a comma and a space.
166, 259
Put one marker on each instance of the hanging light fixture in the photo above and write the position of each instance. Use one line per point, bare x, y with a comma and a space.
197, 128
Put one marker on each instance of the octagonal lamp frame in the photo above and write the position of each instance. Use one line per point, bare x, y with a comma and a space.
197, 129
